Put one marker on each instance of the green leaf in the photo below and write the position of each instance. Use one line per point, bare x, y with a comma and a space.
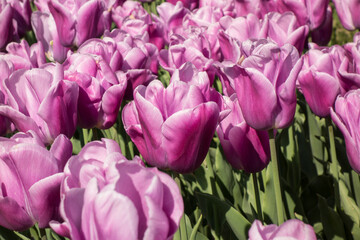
189, 232
350, 211
218, 213
332, 224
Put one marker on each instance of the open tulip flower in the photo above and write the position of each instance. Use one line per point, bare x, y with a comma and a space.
173, 127
107, 196
345, 115
266, 84
42, 101
292, 229
100, 89
30, 177
72, 19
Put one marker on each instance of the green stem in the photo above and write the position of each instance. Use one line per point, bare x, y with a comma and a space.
334, 163
257, 197
276, 176
182, 228
85, 135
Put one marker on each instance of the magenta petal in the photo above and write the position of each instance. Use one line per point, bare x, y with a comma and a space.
59, 109
6, 28
71, 209
111, 102
87, 20
36, 158
22, 122
61, 150
45, 198
150, 118
13, 216
257, 98
133, 128
111, 207
65, 23
320, 91
185, 152
157, 221
173, 204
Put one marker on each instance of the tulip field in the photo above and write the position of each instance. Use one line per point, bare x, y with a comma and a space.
191, 119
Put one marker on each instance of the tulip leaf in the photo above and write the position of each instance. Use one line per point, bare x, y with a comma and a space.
333, 227
350, 212
269, 197
189, 232
218, 213
6, 234
318, 148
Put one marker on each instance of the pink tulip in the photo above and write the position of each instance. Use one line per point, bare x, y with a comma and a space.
172, 128
291, 229
284, 28
30, 189
100, 89
327, 72
245, 148
348, 12
266, 84
40, 100
77, 21
128, 199
345, 115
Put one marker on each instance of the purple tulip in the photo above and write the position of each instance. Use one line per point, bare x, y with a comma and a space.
129, 200
100, 89
348, 12
244, 28
291, 229
77, 21
190, 4
227, 6
132, 18
15, 20
346, 115
324, 76
322, 34
171, 17
22, 56
45, 31
195, 48
30, 189
312, 13
40, 100
257, 7
266, 84
6, 27
245, 148
284, 28
172, 128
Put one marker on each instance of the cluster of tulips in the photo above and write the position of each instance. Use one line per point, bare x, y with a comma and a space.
87, 85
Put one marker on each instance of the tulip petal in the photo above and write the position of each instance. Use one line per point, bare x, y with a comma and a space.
65, 23
45, 198
185, 152
36, 158
87, 18
257, 98
13, 216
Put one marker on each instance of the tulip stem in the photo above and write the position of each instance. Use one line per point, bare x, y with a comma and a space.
334, 168
182, 231
257, 197
85, 135
276, 177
